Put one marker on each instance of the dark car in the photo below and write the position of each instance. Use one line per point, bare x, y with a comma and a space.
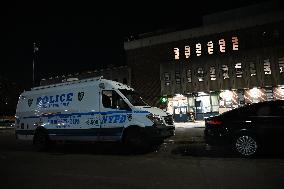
249, 128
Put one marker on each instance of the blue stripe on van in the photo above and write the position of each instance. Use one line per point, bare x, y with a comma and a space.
80, 114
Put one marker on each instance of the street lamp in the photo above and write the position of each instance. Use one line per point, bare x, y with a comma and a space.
34, 55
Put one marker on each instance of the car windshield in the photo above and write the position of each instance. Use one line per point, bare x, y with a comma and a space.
133, 97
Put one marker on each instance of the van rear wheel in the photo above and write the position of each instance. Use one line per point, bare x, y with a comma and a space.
41, 140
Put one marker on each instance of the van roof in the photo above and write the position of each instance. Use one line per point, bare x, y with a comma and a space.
85, 81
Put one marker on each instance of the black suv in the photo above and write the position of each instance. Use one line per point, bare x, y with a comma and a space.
249, 128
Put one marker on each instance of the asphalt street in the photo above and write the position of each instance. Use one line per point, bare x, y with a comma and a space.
183, 161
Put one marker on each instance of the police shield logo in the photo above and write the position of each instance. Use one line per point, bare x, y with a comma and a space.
30, 101
80, 96
129, 117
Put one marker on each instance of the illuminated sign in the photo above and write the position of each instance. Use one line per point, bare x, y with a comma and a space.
210, 48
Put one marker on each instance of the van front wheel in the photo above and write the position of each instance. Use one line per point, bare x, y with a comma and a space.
134, 139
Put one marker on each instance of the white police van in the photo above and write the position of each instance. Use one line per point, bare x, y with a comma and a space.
93, 109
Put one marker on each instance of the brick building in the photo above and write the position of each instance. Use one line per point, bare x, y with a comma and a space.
235, 58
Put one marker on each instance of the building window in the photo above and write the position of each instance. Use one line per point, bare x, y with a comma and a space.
269, 94
188, 76
200, 74
225, 71
167, 78
198, 49
252, 69
235, 42
210, 47
281, 65
222, 45
212, 73
187, 51
176, 51
177, 77
238, 68
266, 66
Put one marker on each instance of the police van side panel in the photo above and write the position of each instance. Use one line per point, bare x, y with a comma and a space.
66, 112
80, 120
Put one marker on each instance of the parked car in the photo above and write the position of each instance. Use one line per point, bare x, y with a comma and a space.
249, 128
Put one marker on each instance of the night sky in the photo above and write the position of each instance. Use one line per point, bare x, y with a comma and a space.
88, 41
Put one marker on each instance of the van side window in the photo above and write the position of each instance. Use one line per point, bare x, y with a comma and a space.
110, 99
107, 99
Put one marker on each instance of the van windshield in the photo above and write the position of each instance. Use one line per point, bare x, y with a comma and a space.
133, 97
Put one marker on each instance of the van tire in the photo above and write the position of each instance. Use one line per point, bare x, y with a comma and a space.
41, 140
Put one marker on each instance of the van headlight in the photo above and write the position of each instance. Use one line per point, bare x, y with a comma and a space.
156, 119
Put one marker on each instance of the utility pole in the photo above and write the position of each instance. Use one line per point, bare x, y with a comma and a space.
34, 57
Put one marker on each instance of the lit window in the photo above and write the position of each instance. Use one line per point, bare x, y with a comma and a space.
266, 66
225, 71
200, 74
238, 68
167, 78
188, 76
252, 69
281, 65
198, 49
235, 42
210, 47
187, 51
222, 45
212, 73
176, 51
177, 77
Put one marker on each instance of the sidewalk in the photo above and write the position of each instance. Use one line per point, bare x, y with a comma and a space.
196, 124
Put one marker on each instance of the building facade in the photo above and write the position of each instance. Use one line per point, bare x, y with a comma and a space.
235, 58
